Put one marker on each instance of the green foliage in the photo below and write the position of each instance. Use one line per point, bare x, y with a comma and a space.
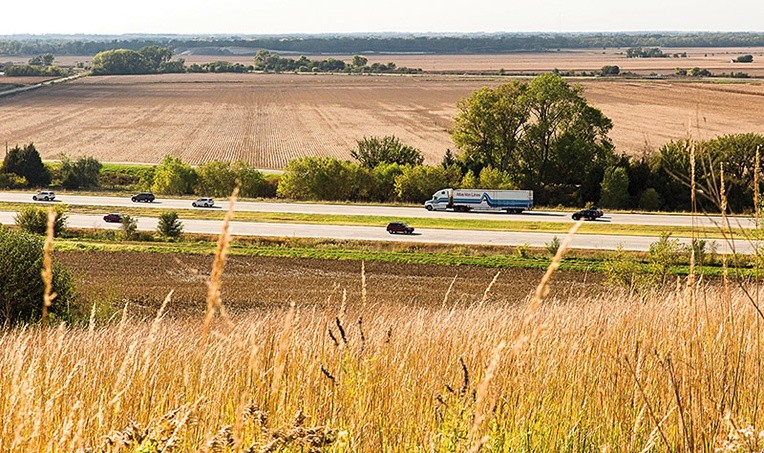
129, 227
155, 56
119, 61
663, 254
610, 70
33, 219
42, 60
469, 181
30, 70
218, 179
21, 287
743, 59
638, 52
84, 172
251, 180
373, 151
493, 178
219, 67
26, 162
699, 72
359, 61
324, 178
615, 185
173, 177
417, 184
650, 200
542, 133
169, 226
12, 181
623, 270
384, 181
553, 246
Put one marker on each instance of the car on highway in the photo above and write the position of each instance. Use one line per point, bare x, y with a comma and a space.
203, 203
44, 195
399, 227
147, 197
114, 217
587, 214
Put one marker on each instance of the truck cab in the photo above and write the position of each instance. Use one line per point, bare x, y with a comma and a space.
441, 200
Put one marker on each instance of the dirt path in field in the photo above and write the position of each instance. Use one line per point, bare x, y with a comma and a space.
144, 279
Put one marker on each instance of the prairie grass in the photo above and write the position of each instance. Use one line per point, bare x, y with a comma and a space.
653, 373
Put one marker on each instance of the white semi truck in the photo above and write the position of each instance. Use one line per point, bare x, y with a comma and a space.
463, 200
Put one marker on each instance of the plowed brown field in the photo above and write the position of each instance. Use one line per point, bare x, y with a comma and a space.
270, 119
258, 282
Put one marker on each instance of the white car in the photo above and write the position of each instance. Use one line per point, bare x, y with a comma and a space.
203, 203
44, 196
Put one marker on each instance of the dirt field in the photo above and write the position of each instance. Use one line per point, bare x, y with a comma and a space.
268, 119
251, 283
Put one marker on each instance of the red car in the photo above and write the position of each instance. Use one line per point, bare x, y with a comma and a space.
112, 218
399, 227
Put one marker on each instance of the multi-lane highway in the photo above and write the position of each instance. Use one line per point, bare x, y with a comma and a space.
440, 236
384, 211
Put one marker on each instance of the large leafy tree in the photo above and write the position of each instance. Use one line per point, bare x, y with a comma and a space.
541, 132
173, 177
372, 151
26, 161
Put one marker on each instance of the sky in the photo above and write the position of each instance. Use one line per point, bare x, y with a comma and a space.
237, 17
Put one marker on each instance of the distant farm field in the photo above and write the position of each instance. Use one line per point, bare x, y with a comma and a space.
268, 119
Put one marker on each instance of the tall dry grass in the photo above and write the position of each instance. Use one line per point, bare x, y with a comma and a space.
629, 374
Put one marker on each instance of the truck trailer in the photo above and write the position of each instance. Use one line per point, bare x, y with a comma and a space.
463, 200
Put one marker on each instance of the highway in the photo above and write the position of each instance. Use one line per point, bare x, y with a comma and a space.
435, 236
392, 212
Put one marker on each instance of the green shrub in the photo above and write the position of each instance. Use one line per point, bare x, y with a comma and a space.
129, 227
650, 200
33, 219
21, 286
169, 226
12, 181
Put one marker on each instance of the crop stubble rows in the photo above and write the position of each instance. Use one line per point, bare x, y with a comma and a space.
268, 119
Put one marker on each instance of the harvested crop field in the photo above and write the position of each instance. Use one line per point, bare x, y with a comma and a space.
268, 119
259, 282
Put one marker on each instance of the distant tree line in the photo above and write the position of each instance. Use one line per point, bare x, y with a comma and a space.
273, 62
638, 52
39, 65
357, 44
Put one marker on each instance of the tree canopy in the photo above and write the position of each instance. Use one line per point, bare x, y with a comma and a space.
26, 161
541, 133
372, 151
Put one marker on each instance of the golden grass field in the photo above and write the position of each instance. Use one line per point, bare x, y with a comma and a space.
670, 371
268, 119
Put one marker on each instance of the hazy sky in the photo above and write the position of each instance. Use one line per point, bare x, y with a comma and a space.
331, 16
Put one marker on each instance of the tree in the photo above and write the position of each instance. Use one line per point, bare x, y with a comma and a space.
373, 151
541, 133
384, 181
42, 60
743, 59
250, 179
216, 178
27, 162
169, 226
82, 173
492, 178
610, 70
324, 178
155, 57
21, 287
173, 177
359, 61
120, 61
33, 219
615, 188
489, 126
129, 226
417, 184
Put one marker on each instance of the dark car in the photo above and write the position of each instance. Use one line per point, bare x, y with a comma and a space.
588, 214
399, 227
147, 197
113, 218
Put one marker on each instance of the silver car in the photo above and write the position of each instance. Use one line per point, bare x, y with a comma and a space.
203, 203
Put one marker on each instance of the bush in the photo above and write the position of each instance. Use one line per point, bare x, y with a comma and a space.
615, 188
417, 184
553, 246
21, 287
35, 220
12, 181
324, 178
129, 226
169, 226
173, 177
650, 200
373, 151
84, 172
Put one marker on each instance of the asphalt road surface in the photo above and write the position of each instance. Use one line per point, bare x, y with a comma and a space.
383, 211
435, 236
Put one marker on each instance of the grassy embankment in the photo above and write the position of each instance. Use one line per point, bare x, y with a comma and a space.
668, 371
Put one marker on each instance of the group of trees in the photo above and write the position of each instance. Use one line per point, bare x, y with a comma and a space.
272, 62
402, 43
23, 167
146, 60
216, 178
638, 52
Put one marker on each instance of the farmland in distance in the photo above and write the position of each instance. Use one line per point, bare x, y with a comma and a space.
268, 119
